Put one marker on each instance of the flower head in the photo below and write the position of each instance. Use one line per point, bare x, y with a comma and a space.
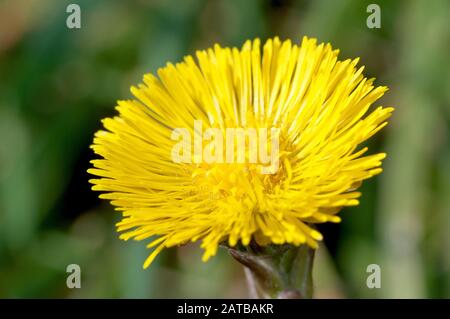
319, 106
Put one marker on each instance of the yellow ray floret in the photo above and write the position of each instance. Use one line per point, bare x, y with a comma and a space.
321, 106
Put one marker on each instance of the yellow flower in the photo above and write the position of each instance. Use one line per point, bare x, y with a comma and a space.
320, 106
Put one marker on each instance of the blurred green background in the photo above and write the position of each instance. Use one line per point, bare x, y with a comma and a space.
57, 83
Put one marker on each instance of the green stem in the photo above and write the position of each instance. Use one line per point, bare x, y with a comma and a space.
277, 271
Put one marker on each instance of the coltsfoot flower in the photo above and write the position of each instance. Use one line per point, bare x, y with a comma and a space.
321, 107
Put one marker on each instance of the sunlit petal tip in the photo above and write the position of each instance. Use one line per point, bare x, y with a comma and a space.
316, 235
